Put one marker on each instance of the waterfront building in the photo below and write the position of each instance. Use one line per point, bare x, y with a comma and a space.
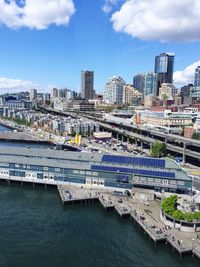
113, 92
197, 76
164, 67
93, 170
87, 84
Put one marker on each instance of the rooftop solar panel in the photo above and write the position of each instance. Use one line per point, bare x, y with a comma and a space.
134, 160
134, 171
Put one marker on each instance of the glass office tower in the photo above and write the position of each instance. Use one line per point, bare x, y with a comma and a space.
164, 67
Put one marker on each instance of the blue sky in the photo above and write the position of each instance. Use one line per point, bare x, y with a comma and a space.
52, 51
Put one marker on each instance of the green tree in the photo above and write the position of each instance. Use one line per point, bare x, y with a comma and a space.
158, 149
165, 96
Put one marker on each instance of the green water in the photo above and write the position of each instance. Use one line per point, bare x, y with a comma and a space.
36, 230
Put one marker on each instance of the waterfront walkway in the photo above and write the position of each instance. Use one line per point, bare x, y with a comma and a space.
147, 217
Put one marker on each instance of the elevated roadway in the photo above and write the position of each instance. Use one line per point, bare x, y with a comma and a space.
149, 140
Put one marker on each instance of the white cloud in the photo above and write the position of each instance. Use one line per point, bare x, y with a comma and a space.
36, 14
163, 20
15, 85
108, 5
185, 76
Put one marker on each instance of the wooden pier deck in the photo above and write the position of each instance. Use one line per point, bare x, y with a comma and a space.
154, 233
178, 246
106, 201
123, 210
124, 207
196, 251
73, 194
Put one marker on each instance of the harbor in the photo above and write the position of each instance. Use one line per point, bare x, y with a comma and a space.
141, 213
145, 216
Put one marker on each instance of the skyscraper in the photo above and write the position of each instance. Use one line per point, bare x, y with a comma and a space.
113, 92
150, 83
54, 93
138, 82
33, 94
197, 76
87, 84
146, 83
164, 67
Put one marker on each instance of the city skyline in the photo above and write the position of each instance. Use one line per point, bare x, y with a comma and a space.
51, 51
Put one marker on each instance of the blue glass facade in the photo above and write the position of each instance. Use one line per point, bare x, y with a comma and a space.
164, 67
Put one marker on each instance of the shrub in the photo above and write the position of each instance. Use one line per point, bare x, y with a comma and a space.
169, 206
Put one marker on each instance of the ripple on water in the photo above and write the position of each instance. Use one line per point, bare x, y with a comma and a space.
36, 230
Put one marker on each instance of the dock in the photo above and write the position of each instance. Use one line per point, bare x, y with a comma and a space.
72, 195
106, 201
196, 251
178, 246
123, 210
127, 208
154, 232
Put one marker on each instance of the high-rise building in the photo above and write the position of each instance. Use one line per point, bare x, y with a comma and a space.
131, 95
197, 76
146, 83
150, 83
54, 93
164, 67
87, 84
33, 94
138, 82
167, 91
46, 97
185, 90
113, 92
195, 92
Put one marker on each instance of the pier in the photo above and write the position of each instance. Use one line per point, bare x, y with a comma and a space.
123, 210
70, 195
152, 226
154, 232
20, 137
106, 201
146, 216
